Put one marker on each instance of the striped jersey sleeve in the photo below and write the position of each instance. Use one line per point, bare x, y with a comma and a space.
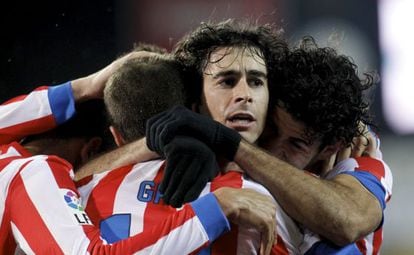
41, 212
375, 175
41, 110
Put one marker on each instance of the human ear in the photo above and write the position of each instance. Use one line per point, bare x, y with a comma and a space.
90, 148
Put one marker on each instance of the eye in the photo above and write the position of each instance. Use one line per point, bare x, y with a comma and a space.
227, 82
298, 144
256, 82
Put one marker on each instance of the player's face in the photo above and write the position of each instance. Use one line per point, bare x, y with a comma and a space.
286, 139
235, 91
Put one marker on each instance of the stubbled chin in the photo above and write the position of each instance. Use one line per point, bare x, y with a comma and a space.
249, 136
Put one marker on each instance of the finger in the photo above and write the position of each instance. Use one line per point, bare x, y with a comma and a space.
174, 164
327, 164
203, 177
167, 131
371, 150
170, 166
359, 145
191, 170
343, 154
157, 128
150, 129
266, 242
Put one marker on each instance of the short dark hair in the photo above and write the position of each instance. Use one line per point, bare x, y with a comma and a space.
194, 49
321, 89
141, 88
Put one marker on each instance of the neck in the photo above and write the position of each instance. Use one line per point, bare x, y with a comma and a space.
227, 166
39, 147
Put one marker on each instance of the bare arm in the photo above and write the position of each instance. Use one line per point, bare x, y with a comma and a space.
92, 86
131, 153
341, 209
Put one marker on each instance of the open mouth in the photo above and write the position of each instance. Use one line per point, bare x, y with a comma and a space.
240, 121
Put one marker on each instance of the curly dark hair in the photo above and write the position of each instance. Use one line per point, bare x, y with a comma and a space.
194, 49
321, 89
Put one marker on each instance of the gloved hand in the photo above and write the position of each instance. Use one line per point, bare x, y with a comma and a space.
190, 165
162, 128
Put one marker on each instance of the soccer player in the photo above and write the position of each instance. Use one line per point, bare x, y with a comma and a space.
41, 210
318, 106
125, 201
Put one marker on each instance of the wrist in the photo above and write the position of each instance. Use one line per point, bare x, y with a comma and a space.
79, 89
228, 142
224, 199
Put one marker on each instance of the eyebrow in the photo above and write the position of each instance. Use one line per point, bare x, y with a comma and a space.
256, 73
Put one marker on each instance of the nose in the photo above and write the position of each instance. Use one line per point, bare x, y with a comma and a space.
242, 92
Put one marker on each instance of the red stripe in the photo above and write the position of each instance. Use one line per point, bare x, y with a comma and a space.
15, 99
84, 181
377, 241
61, 170
152, 233
153, 229
372, 166
362, 246
18, 131
22, 97
100, 204
29, 222
154, 212
7, 243
6, 161
227, 243
279, 248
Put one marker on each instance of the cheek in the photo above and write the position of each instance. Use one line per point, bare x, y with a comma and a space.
262, 101
299, 160
214, 105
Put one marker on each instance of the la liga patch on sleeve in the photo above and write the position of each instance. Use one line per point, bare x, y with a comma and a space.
74, 205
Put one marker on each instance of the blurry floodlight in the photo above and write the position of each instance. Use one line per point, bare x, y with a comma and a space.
396, 38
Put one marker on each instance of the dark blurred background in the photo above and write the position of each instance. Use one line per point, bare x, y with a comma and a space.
50, 42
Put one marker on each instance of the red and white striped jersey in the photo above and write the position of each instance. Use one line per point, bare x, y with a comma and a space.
41, 212
375, 176
47, 107
126, 201
37, 112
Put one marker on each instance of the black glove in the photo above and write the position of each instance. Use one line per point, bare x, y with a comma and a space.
190, 165
162, 128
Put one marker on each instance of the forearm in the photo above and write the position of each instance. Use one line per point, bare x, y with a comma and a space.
339, 210
131, 153
79, 88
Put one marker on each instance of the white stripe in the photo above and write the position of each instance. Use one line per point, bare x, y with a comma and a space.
387, 181
369, 241
129, 203
45, 194
22, 243
183, 240
11, 152
34, 106
7, 175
